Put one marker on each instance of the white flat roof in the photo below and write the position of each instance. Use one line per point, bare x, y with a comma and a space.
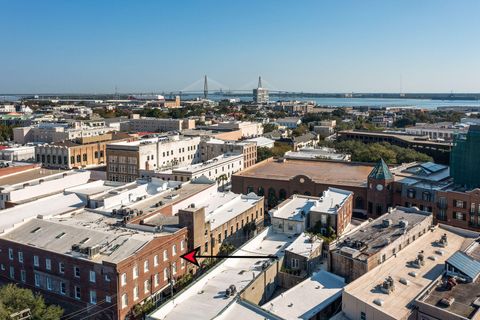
227, 157
244, 310
205, 296
221, 207
307, 298
49, 206
304, 245
397, 303
295, 205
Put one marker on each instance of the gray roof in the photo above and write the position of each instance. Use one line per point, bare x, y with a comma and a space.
465, 264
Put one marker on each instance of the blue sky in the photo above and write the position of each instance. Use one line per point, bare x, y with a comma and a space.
319, 45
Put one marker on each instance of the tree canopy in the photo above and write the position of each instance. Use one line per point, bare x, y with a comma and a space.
14, 299
372, 152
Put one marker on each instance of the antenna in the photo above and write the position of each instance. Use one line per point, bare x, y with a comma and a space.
205, 88
259, 81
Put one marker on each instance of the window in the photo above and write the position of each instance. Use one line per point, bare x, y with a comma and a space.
12, 272
107, 278
165, 274
459, 203
174, 249
77, 293
79, 158
92, 276
458, 216
93, 297
124, 301
76, 272
294, 263
182, 264
146, 286
363, 316
219, 238
20, 256
472, 207
37, 280
123, 279
135, 272
61, 267
63, 288
174, 268
48, 264
49, 283
10, 253
84, 157
135, 293
23, 276
155, 260
145, 266
165, 255
108, 299
156, 281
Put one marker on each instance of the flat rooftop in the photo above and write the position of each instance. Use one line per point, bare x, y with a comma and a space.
328, 172
464, 294
29, 174
221, 207
399, 302
49, 206
212, 163
242, 309
405, 137
206, 296
373, 236
58, 234
297, 206
308, 298
304, 245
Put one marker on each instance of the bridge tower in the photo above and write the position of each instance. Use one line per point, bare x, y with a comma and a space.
259, 82
205, 88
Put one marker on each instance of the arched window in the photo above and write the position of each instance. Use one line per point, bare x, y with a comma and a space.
272, 198
307, 193
261, 191
282, 194
249, 189
359, 203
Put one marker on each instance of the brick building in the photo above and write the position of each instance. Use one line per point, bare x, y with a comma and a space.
77, 262
278, 180
378, 241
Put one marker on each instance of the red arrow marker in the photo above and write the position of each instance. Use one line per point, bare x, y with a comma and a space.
192, 256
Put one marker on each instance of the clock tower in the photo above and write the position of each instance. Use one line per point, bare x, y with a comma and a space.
379, 190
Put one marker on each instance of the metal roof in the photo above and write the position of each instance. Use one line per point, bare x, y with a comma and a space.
465, 264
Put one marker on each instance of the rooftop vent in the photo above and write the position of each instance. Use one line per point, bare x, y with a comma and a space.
404, 281
387, 223
443, 242
378, 302
388, 286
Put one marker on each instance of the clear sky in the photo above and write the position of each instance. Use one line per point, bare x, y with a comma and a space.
91, 46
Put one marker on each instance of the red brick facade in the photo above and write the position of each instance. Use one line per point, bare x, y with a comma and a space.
81, 276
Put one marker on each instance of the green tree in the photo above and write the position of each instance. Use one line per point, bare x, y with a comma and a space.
264, 153
269, 127
14, 299
300, 130
226, 248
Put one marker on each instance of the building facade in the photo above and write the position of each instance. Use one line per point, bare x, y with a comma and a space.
80, 153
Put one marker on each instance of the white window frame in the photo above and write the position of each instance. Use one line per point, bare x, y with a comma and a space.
135, 272
36, 261
92, 276
48, 264
123, 279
